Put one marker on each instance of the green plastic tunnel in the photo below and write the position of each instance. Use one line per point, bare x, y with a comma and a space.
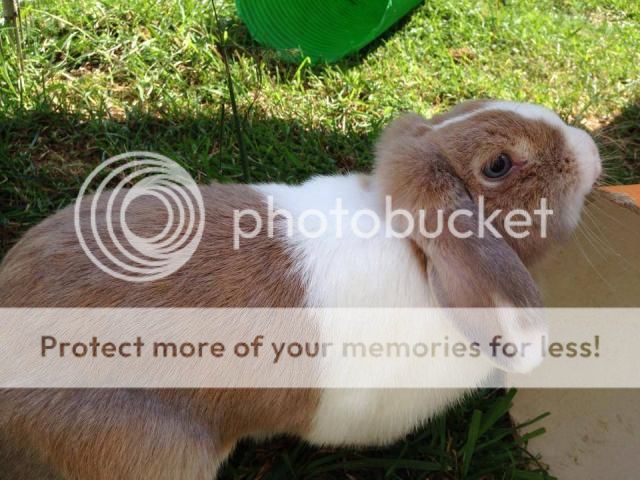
323, 30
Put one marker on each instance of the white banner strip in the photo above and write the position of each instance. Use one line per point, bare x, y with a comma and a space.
319, 348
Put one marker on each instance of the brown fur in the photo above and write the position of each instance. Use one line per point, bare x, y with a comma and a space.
438, 169
37, 271
95, 434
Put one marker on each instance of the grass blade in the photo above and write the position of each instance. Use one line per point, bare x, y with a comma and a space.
472, 438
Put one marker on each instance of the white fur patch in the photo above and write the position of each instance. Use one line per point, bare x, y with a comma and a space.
587, 157
526, 110
374, 272
349, 271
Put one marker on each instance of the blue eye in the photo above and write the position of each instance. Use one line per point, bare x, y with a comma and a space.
498, 167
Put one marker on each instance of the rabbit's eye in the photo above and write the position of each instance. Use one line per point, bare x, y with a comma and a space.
498, 167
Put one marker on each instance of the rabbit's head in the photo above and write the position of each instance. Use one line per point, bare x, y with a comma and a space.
511, 160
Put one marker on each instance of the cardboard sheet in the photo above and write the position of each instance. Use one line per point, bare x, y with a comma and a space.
591, 434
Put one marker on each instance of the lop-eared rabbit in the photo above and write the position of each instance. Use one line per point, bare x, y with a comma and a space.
512, 154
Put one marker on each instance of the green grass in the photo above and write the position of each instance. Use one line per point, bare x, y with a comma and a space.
473, 441
104, 77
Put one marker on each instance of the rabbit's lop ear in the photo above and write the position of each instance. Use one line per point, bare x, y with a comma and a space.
467, 266
466, 273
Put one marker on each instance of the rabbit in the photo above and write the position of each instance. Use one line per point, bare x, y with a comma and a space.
512, 154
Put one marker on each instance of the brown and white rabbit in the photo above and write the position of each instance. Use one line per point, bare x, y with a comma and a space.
512, 154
